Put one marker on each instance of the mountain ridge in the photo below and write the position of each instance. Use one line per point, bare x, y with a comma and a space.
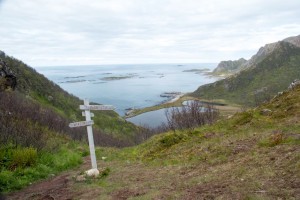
267, 49
278, 67
229, 67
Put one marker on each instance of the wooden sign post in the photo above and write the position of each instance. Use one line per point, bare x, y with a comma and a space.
88, 123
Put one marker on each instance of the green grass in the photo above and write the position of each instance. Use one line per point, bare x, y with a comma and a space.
249, 156
46, 164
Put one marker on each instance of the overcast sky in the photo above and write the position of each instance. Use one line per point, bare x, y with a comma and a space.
67, 32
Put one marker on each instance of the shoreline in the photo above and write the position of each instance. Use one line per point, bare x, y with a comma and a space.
226, 108
174, 99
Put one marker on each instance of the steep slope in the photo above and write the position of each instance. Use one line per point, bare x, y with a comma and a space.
262, 53
260, 81
35, 139
266, 50
39, 89
229, 67
295, 40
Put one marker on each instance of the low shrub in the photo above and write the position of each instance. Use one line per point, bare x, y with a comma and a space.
105, 173
24, 165
171, 139
23, 157
190, 116
243, 118
276, 138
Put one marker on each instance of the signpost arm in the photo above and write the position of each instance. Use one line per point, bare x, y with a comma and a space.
90, 136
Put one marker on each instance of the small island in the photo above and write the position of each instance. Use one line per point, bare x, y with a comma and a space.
74, 81
114, 78
197, 71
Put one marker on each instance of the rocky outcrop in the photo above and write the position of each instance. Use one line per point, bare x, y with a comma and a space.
232, 67
7, 78
266, 50
262, 53
294, 84
229, 66
293, 40
2, 54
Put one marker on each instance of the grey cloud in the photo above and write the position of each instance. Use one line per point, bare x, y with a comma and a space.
45, 32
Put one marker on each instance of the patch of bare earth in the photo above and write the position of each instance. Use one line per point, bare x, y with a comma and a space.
58, 187
126, 193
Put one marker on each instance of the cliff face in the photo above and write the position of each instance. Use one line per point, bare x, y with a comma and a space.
262, 53
266, 50
293, 40
229, 67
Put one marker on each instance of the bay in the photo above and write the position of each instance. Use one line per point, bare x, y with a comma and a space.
156, 118
129, 85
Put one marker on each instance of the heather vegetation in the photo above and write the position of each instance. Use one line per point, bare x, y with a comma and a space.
37, 142
35, 138
36, 87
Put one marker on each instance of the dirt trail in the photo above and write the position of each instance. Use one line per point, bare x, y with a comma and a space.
58, 187
138, 180
126, 180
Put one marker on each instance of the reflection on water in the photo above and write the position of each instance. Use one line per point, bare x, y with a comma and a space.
150, 119
155, 118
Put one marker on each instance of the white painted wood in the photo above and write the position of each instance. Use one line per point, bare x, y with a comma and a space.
88, 123
90, 136
92, 114
82, 123
96, 107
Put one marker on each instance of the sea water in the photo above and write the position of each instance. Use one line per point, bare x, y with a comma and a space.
129, 86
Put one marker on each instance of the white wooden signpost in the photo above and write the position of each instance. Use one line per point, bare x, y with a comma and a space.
88, 123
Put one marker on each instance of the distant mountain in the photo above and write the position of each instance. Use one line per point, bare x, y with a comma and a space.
266, 50
37, 88
295, 40
229, 67
271, 70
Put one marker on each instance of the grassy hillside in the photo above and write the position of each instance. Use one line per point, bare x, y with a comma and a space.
35, 139
253, 155
260, 82
39, 89
35, 142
